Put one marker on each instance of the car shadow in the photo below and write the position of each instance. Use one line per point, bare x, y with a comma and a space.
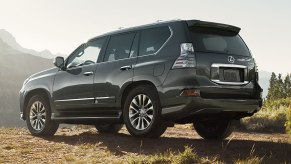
226, 150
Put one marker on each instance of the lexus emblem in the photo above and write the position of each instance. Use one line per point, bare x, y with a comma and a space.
231, 59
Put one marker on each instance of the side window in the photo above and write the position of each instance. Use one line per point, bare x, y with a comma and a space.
86, 54
153, 39
119, 47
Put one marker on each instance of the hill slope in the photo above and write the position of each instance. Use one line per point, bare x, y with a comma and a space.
15, 67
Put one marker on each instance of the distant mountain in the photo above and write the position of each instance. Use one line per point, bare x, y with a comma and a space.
15, 67
11, 41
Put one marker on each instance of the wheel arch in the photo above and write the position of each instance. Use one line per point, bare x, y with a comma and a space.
132, 85
38, 91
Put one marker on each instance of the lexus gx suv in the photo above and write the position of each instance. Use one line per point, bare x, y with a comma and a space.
149, 78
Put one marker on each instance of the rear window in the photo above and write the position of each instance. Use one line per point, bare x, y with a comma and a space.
218, 41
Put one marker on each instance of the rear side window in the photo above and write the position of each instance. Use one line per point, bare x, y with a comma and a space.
218, 42
119, 47
153, 39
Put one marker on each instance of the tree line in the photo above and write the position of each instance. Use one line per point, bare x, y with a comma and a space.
279, 88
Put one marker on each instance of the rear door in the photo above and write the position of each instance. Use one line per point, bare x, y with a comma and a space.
116, 69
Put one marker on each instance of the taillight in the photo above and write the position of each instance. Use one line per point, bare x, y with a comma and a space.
186, 58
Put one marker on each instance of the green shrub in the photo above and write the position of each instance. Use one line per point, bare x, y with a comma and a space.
288, 122
266, 120
276, 104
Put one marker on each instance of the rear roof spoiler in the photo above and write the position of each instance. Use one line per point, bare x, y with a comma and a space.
198, 23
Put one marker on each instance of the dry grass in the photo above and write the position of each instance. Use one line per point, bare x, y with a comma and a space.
187, 156
266, 120
178, 145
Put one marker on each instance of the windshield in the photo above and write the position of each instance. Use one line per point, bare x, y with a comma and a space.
218, 41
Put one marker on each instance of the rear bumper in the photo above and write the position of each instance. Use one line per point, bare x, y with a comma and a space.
197, 105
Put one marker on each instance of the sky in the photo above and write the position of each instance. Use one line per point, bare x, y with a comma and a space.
61, 25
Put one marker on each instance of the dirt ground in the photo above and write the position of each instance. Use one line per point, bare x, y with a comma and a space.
88, 146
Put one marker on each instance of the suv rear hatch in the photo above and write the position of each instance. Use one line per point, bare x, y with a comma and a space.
222, 60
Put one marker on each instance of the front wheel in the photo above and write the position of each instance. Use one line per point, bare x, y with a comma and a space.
142, 113
216, 129
38, 117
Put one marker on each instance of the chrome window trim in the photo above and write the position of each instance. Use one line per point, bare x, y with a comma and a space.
138, 50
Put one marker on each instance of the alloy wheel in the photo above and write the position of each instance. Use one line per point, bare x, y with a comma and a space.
37, 116
141, 112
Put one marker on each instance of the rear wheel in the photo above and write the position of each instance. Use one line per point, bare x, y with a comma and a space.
142, 113
108, 128
214, 129
38, 117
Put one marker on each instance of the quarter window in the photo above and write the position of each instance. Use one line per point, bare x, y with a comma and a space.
153, 39
119, 47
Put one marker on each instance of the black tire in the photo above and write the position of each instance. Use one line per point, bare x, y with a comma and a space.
145, 119
108, 128
214, 129
38, 117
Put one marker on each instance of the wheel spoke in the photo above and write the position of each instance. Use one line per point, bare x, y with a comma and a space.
37, 106
150, 117
135, 102
144, 100
134, 108
132, 122
132, 114
41, 123
150, 109
139, 100
148, 104
142, 124
148, 122
138, 123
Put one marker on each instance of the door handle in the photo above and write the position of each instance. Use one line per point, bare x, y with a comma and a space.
88, 73
124, 68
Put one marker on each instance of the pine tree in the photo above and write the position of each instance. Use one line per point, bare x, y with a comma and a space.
272, 86
279, 94
287, 86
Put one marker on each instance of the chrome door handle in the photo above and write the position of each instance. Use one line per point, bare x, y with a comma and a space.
88, 73
124, 68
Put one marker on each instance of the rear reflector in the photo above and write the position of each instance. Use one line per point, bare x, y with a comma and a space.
190, 92
186, 58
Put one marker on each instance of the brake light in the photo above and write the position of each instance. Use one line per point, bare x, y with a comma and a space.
186, 58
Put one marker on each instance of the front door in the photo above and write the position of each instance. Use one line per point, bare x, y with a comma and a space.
73, 86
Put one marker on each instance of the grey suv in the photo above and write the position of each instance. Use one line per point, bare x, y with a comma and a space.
149, 78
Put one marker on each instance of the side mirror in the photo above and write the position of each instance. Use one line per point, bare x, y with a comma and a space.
59, 62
